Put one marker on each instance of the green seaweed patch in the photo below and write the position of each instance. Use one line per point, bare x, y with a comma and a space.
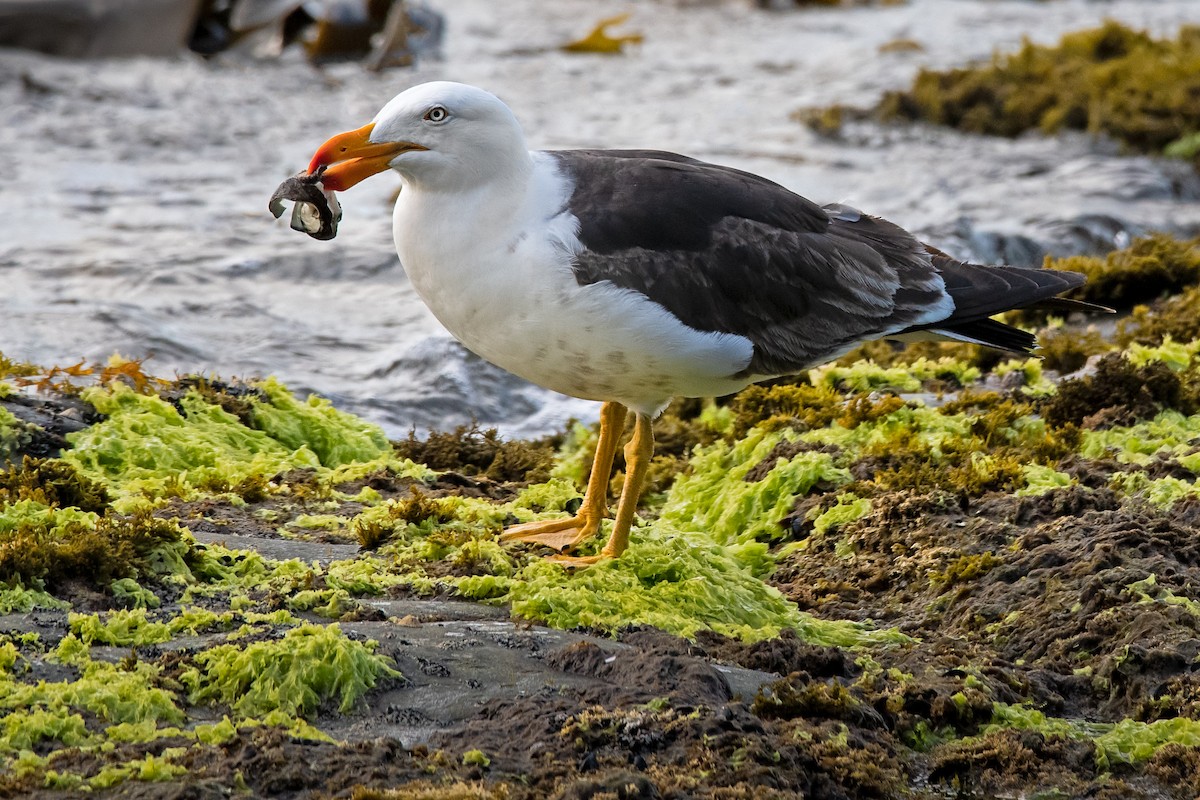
743, 509
1040, 479
1168, 433
679, 582
126, 694
48, 547
975, 444
682, 582
292, 675
15, 434
1160, 492
16, 598
889, 354
1178, 356
848, 508
125, 628
150, 768
149, 448
1148, 590
1034, 383
1125, 742
335, 437
867, 376
242, 574
1142, 91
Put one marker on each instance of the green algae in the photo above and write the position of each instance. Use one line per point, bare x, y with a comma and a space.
147, 768
1040, 479
1148, 590
1160, 492
476, 758
678, 574
848, 508
149, 448
25, 729
679, 583
1112, 79
1035, 383
1166, 433
1125, 742
335, 437
126, 694
1178, 356
292, 675
674, 578
16, 598
719, 496
867, 376
15, 434
135, 628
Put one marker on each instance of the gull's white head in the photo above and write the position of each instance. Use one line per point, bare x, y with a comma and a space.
439, 134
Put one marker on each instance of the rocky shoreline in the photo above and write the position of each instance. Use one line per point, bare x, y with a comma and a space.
953, 575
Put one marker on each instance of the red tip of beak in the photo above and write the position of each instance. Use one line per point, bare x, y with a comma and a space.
351, 156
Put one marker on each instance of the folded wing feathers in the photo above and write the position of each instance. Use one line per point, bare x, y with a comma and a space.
731, 252
979, 292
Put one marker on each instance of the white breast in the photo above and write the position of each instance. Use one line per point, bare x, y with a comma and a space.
494, 267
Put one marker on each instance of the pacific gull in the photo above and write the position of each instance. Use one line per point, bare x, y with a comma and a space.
634, 276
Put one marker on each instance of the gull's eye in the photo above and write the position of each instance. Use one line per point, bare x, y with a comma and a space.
436, 114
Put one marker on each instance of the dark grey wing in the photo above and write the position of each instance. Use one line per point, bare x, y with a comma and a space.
724, 250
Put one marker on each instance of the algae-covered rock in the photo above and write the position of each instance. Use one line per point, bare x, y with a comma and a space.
292, 675
931, 555
1142, 91
1150, 268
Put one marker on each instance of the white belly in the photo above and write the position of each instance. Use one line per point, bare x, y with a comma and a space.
522, 309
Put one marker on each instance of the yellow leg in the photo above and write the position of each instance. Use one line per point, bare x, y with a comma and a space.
638, 452
562, 534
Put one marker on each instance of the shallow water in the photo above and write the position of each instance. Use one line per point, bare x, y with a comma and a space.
135, 215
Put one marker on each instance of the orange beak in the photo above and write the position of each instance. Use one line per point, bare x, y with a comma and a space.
351, 156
